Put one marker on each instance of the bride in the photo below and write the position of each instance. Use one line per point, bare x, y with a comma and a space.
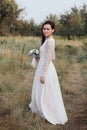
46, 98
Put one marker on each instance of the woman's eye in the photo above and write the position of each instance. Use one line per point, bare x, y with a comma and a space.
45, 28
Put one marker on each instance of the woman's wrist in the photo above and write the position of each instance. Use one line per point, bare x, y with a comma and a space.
42, 79
37, 58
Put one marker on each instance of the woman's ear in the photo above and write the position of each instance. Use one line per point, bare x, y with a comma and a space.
52, 30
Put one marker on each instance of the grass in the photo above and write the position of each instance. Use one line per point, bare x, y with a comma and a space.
16, 78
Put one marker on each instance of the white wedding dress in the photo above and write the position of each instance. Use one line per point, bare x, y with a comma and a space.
46, 98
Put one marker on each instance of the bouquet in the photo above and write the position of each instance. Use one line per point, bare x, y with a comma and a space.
35, 54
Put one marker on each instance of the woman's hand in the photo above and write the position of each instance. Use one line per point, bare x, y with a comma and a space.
37, 58
42, 80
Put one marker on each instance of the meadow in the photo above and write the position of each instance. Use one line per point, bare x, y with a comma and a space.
16, 78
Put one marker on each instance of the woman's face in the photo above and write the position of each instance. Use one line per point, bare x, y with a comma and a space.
47, 30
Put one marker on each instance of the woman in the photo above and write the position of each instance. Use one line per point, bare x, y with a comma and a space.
46, 94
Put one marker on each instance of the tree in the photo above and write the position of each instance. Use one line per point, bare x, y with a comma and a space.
76, 22
72, 23
9, 16
65, 28
83, 12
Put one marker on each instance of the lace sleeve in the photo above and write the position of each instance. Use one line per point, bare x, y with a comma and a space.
50, 55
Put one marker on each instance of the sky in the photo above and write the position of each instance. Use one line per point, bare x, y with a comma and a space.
39, 9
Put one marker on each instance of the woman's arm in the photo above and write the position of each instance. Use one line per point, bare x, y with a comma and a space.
50, 55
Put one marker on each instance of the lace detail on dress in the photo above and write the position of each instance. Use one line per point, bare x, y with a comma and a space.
50, 55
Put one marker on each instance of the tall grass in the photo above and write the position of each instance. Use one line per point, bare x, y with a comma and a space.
16, 78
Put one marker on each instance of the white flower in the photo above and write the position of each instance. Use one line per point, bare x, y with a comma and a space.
34, 53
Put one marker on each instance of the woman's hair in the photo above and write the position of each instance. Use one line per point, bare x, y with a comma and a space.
51, 23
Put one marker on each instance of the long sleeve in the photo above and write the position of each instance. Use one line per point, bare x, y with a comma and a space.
50, 55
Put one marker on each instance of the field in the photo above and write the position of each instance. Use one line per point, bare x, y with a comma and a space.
16, 78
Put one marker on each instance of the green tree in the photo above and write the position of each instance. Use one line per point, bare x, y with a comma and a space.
72, 23
83, 12
9, 16
76, 22
65, 28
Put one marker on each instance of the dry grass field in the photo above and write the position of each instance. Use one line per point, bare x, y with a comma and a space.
16, 78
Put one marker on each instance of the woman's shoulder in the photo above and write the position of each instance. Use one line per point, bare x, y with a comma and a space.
50, 40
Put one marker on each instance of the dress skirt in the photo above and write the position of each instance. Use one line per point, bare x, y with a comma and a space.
47, 98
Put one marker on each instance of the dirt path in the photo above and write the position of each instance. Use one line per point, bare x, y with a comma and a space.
78, 108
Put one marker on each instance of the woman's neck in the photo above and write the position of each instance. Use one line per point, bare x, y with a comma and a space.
49, 37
